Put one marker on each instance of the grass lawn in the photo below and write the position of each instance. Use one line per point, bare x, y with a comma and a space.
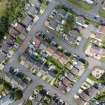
81, 4
3, 4
18, 40
102, 13
88, 42
55, 62
102, 59
1, 88
91, 77
43, 6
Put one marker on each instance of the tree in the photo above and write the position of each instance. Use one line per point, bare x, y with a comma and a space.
29, 102
14, 11
7, 86
16, 94
69, 24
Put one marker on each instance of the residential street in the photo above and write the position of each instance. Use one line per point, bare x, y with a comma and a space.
82, 12
38, 26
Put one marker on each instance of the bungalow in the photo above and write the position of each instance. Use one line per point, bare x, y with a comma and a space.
51, 24
89, 1
19, 27
100, 34
36, 42
80, 67
80, 101
74, 71
13, 32
70, 76
27, 21
81, 21
95, 51
87, 94
98, 72
57, 55
65, 84
6, 100
103, 5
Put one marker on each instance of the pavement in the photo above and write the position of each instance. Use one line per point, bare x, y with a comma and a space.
90, 14
39, 26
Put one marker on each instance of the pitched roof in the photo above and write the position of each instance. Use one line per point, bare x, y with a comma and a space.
20, 28
100, 33
13, 32
27, 21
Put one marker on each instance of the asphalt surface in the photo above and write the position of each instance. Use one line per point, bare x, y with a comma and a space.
39, 26
80, 11
37, 81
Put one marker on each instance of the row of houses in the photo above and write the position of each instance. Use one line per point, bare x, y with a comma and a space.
20, 27
95, 48
84, 97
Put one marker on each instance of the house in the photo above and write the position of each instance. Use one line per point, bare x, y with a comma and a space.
51, 24
57, 55
87, 94
80, 101
103, 5
16, 82
89, 1
80, 67
6, 100
19, 27
56, 20
70, 76
37, 42
27, 21
98, 72
95, 51
13, 32
74, 71
100, 34
81, 21
65, 84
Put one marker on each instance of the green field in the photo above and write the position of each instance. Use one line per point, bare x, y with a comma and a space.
1, 88
3, 6
102, 13
81, 4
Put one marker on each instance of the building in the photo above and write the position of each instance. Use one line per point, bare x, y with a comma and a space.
13, 32
98, 72
81, 21
70, 76
103, 5
19, 27
65, 84
95, 51
27, 21
74, 71
86, 95
36, 42
6, 100
100, 35
57, 55
89, 1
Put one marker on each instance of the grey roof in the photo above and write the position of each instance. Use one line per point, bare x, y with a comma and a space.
27, 21
6, 100
70, 76
74, 71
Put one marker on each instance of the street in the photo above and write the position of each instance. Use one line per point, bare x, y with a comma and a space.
36, 27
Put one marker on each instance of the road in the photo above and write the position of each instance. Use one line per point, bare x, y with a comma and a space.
90, 15
36, 27
39, 26
37, 81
